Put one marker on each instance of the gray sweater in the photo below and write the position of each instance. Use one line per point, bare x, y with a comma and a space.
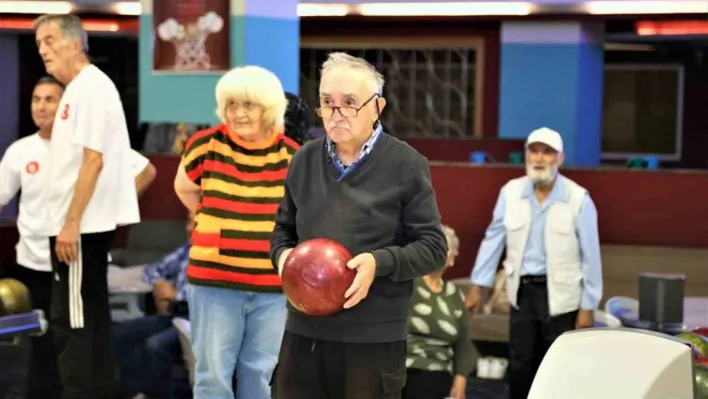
385, 204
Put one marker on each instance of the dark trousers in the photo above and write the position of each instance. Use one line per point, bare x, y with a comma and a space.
531, 333
145, 350
318, 369
81, 319
43, 374
423, 384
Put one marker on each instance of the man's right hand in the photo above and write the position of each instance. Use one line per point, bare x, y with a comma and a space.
472, 301
281, 261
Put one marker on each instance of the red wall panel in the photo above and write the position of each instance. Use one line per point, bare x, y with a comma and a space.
635, 207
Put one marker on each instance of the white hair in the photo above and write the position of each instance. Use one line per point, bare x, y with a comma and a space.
255, 84
344, 60
453, 241
70, 26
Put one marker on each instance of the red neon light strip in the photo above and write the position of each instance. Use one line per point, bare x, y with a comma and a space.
95, 25
671, 28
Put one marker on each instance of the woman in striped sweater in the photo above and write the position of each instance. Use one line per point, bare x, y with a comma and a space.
233, 176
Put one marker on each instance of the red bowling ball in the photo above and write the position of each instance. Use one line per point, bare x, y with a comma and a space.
315, 277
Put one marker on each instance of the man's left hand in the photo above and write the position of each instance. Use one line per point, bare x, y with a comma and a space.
585, 319
365, 266
67, 244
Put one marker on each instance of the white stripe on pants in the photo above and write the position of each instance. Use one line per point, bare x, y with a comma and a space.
76, 302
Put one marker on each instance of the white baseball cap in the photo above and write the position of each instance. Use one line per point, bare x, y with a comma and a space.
546, 136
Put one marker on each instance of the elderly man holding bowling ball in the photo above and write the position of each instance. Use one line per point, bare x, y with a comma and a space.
371, 194
233, 176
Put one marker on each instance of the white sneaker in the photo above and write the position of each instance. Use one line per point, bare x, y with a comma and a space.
484, 366
497, 368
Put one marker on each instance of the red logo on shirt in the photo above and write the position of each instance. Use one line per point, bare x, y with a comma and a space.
65, 112
32, 167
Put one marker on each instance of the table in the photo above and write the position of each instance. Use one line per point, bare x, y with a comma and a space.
695, 315
695, 311
495, 327
127, 280
126, 287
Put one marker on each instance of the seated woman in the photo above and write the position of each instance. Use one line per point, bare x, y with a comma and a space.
440, 352
146, 348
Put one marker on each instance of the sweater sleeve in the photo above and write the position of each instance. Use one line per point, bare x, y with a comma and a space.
464, 351
426, 250
284, 234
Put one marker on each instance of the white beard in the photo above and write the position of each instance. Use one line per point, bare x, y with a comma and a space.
545, 176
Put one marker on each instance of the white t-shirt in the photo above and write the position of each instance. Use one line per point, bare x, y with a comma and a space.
21, 168
137, 162
90, 115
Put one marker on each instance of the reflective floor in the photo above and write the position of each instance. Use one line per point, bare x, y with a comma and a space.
13, 358
486, 389
12, 371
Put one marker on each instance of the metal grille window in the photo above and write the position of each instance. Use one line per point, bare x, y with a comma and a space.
431, 90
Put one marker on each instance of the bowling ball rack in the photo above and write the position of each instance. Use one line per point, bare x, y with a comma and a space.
32, 323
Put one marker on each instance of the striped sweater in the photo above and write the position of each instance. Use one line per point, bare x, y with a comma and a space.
242, 186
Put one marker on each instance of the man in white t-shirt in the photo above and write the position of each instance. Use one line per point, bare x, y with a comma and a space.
89, 193
21, 169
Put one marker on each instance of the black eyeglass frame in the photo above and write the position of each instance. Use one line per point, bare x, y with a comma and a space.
319, 111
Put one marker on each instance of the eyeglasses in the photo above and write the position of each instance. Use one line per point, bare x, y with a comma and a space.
347, 112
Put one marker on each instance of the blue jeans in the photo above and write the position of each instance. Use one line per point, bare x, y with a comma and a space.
234, 330
145, 350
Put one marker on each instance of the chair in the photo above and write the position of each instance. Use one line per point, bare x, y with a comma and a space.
604, 319
516, 158
127, 290
648, 162
623, 308
184, 330
480, 157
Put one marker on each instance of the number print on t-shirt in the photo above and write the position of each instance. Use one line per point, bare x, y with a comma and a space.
32, 167
65, 112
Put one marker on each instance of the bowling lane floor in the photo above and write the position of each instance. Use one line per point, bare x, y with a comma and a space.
12, 371
13, 360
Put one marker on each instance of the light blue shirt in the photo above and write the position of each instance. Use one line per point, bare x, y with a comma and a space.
171, 267
534, 262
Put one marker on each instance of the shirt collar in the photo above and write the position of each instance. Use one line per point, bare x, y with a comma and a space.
365, 150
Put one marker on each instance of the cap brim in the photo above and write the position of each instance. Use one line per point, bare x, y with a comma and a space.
528, 143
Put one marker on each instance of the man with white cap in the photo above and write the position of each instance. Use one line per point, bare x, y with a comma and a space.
554, 273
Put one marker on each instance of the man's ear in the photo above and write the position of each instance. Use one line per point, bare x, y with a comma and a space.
380, 105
